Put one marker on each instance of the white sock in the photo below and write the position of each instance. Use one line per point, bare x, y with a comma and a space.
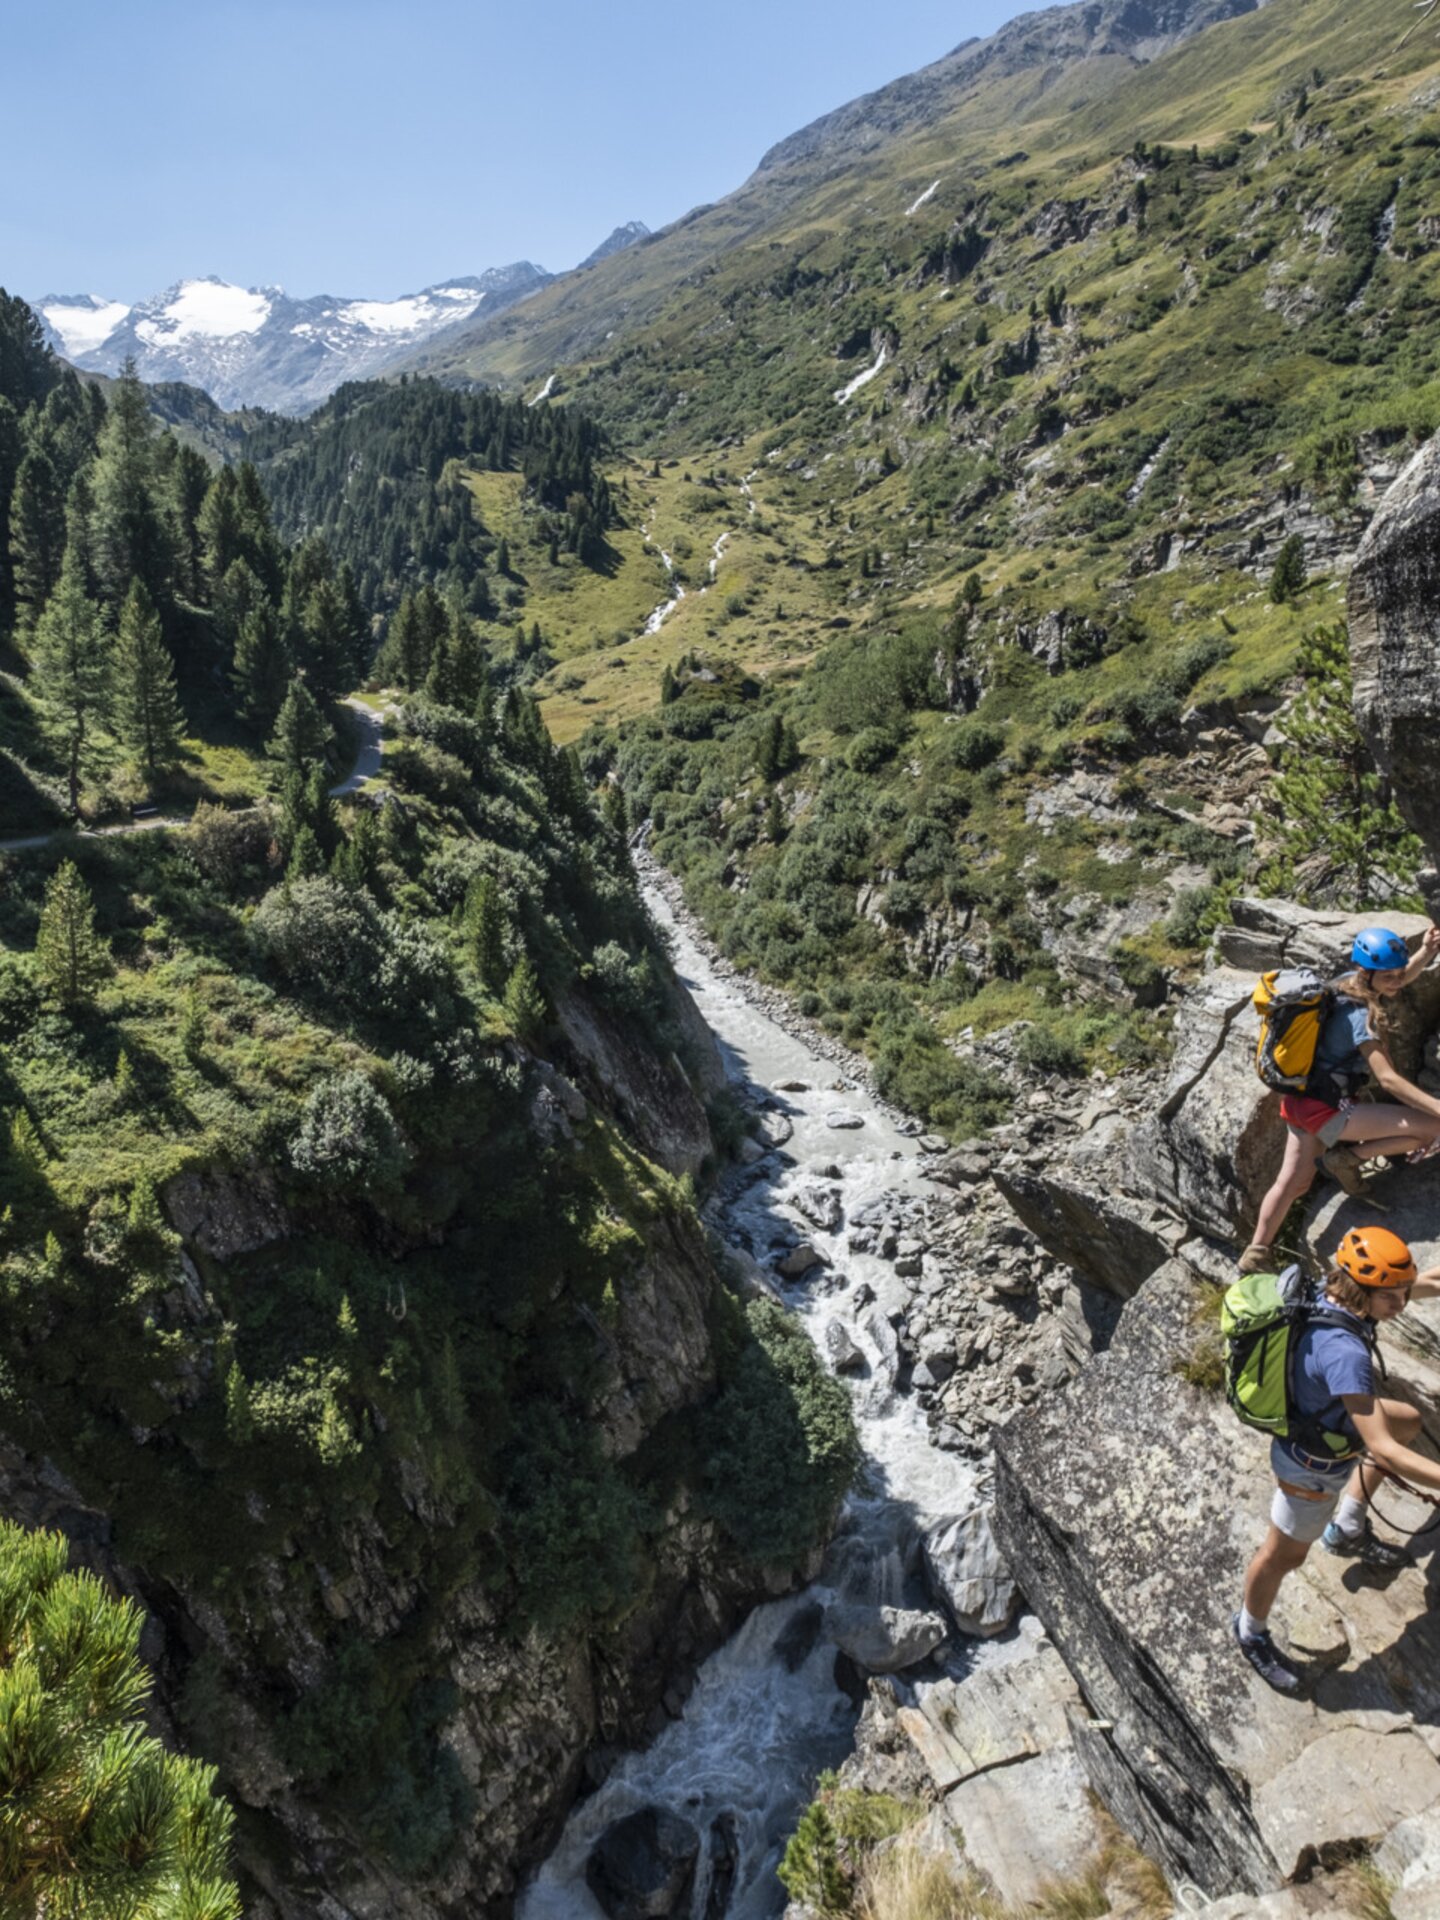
1250, 1627
1350, 1515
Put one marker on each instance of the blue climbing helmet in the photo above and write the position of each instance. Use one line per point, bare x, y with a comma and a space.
1378, 950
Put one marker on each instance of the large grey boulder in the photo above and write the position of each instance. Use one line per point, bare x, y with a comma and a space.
967, 1574
1213, 1145
1127, 1505
643, 1867
1394, 616
885, 1639
1114, 1239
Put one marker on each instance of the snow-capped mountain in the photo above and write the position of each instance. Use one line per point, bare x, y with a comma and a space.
261, 347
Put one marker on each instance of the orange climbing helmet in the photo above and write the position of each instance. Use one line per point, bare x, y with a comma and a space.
1375, 1257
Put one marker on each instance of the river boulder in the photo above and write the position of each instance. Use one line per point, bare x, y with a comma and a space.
643, 1866
885, 1639
967, 1574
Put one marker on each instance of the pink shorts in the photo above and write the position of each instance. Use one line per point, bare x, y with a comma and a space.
1304, 1115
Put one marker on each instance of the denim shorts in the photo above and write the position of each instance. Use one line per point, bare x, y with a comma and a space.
1297, 1518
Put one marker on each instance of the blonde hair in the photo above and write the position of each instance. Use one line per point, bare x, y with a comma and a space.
1356, 985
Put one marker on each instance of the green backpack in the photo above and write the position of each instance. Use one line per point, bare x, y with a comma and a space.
1260, 1317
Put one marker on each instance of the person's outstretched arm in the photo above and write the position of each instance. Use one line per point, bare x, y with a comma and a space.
1424, 954
1368, 1415
1391, 1081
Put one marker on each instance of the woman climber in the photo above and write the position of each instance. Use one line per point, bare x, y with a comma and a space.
1324, 1126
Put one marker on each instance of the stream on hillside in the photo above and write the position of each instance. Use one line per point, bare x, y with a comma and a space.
740, 1763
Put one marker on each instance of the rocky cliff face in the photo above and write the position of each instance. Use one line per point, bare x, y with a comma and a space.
1129, 1504
1395, 641
523, 1714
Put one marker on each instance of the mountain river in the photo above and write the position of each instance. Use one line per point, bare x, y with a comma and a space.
755, 1733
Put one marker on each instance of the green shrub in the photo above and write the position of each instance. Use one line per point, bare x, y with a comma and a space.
1042, 1050
348, 1136
778, 1441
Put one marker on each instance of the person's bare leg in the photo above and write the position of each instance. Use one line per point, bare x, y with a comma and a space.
1278, 1555
1296, 1176
1387, 1128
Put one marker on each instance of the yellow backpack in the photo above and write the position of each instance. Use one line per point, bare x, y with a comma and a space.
1294, 1004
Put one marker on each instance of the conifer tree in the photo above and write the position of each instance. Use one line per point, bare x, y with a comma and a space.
615, 809
219, 527
37, 532
187, 484
1288, 578
668, 688
329, 647
1341, 839
146, 708
99, 1819
68, 680
70, 956
524, 1001
484, 923
262, 669
239, 1417
301, 737
132, 537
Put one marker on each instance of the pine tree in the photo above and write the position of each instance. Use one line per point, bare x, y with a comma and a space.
810, 1871
124, 1081
668, 689
485, 922
192, 1029
615, 809
262, 670
767, 748
1342, 841
524, 1001
70, 956
144, 1221
68, 680
132, 536
305, 855
27, 1149
37, 532
329, 647
219, 527
146, 710
101, 1820
774, 818
239, 1416
1288, 578
301, 737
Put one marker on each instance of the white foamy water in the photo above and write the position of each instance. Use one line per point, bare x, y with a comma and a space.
842, 394
754, 1735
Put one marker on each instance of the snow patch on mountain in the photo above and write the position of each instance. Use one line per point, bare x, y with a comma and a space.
203, 310
260, 347
80, 322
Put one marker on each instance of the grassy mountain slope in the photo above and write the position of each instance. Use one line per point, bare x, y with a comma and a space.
1149, 324
1056, 57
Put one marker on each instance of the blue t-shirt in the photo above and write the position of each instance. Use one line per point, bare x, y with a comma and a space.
1330, 1361
1338, 1059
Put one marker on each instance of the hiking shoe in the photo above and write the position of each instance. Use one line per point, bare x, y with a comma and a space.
1366, 1547
1343, 1166
1256, 1259
1266, 1658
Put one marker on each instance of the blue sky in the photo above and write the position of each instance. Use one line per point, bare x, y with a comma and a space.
354, 147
